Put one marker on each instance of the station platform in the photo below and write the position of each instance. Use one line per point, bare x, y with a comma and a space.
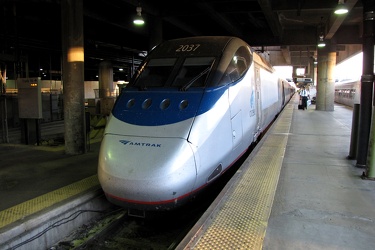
40, 185
296, 190
27, 172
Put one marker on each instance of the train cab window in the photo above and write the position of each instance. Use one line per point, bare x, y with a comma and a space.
193, 72
155, 73
237, 67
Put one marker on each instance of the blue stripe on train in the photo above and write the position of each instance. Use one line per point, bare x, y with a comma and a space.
161, 107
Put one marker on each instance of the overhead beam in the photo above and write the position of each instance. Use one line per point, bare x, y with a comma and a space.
220, 19
185, 27
286, 54
271, 17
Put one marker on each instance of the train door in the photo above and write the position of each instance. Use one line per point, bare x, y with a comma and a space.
258, 102
235, 100
281, 82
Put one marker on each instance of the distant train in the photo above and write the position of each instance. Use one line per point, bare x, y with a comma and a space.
347, 92
192, 109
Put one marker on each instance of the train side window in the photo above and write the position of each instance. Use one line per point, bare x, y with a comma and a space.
238, 66
156, 72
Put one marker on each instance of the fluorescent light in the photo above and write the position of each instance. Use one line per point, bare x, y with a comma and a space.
138, 20
321, 42
341, 8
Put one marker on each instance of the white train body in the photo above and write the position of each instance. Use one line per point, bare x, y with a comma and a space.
348, 92
192, 110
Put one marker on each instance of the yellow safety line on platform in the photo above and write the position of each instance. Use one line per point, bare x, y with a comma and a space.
37, 204
241, 221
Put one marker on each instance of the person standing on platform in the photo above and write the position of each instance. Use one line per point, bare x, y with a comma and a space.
304, 96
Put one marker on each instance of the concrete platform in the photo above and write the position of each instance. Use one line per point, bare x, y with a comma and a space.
28, 171
321, 201
46, 194
297, 190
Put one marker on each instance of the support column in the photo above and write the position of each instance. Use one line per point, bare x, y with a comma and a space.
325, 95
354, 134
315, 79
311, 70
73, 76
105, 79
366, 148
106, 88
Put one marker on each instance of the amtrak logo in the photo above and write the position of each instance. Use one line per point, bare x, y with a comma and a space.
140, 144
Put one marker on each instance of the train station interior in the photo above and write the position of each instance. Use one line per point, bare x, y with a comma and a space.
307, 184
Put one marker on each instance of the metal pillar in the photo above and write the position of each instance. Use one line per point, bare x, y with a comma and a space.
3, 105
355, 124
326, 82
354, 134
312, 69
105, 79
73, 76
367, 80
106, 88
4, 118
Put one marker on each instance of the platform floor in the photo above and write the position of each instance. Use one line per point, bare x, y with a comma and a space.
321, 200
27, 172
297, 190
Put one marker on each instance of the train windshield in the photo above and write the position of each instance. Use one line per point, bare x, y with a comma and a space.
175, 72
193, 72
156, 73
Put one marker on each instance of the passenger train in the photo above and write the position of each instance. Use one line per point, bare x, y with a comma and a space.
347, 92
192, 109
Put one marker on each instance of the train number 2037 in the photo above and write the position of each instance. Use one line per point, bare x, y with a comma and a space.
187, 47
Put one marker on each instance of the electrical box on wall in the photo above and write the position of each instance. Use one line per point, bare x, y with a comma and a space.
29, 98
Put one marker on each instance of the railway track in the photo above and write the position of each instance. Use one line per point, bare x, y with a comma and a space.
117, 230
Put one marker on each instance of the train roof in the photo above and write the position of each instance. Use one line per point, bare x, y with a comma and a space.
263, 62
346, 84
204, 46
197, 46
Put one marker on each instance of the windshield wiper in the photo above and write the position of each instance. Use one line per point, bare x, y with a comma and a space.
188, 85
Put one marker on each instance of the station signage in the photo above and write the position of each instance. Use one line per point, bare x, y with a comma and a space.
29, 98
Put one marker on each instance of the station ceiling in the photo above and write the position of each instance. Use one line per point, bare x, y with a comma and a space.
31, 29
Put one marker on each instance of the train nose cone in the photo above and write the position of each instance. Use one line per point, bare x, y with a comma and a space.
146, 173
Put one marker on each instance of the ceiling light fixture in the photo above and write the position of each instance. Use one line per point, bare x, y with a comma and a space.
138, 20
341, 8
321, 42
